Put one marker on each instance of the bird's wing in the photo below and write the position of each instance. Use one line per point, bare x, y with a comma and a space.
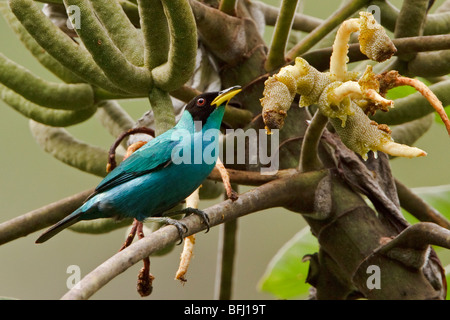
153, 156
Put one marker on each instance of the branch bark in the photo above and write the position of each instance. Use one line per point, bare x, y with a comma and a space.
276, 193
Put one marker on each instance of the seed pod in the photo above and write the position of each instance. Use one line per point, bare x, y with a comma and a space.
276, 102
363, 135
373, 39
280, 89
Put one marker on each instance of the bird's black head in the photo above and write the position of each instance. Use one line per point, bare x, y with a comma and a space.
204, 104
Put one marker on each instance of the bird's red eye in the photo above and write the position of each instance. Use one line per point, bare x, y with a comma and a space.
201, 102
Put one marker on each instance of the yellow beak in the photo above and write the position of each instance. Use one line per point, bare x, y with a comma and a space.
226, 95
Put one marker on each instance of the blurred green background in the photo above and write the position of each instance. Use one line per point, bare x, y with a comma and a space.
30, 178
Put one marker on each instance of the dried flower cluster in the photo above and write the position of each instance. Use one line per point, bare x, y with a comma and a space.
346, 98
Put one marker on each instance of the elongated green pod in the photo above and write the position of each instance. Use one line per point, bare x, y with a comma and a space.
47, 94
410, 22
438, 23
430, 64
125, 36
60, 46
183, 46
362, 135
156, 32
113, 117
275, 58
411, 18
99, 226
132, 11
64, 147
408, 133
36, 50
108, 57
51, 117
162, 109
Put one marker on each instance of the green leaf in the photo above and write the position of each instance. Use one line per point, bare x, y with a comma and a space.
400, 92
286, 273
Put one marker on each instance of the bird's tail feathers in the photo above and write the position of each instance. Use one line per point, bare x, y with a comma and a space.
61, 225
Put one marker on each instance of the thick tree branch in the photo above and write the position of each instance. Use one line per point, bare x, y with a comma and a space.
276, 193
41, 218
320, 58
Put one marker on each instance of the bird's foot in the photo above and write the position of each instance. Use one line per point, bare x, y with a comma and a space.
188, 211
199, 213
181, 227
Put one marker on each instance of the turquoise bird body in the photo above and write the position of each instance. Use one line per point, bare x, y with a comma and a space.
163, 172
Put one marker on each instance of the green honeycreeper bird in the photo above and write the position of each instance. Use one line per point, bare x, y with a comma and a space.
150, 182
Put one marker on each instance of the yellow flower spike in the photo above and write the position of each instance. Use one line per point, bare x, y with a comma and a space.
363, 135
339, 58
311, 84
401, 150
370, 86
369, 80
276, 102
281, 88
337, 104
341, 96
373, 40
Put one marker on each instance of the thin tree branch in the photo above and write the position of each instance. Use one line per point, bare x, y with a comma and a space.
225, 260
275, 58
301, 21
250, 178
309, 159
41, 218
419, 236
416, 206
333, 21
320, 58
276, 193
414, 106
